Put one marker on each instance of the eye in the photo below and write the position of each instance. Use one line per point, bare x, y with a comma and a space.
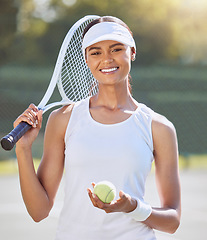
117, 50
95, 53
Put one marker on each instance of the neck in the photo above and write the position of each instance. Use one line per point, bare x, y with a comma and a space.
114, 97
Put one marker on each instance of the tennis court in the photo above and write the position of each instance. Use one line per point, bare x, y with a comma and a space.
16, 224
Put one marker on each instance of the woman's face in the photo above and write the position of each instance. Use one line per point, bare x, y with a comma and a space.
109, 61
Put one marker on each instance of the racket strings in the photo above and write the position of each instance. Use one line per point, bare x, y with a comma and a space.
76, 79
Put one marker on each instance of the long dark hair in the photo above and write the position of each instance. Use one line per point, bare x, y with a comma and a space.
110, 19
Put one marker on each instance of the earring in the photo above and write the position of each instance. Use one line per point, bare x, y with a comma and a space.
133, 57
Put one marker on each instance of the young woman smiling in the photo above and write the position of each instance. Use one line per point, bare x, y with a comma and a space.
109, 136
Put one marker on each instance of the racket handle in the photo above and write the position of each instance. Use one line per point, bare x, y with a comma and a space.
10, 140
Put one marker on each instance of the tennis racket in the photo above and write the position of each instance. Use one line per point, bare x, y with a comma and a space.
71, 74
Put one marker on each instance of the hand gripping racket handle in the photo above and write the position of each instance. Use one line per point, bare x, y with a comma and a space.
10, 140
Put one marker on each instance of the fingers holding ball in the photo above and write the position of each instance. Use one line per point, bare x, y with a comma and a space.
102, 195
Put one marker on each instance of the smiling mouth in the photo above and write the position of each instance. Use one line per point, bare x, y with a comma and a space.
108, 70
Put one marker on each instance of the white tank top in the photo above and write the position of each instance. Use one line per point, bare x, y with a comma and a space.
121, 153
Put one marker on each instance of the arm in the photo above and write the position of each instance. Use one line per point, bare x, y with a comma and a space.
39, 189
167, 217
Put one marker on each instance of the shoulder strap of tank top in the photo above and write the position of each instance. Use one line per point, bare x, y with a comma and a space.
77, 115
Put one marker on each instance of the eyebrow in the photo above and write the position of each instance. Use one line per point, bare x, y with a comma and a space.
111, 46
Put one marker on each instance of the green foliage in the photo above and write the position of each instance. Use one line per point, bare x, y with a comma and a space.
164, 30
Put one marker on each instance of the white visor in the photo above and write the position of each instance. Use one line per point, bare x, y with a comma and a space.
107, 31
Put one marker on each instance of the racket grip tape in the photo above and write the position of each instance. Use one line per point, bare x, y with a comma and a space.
10, 140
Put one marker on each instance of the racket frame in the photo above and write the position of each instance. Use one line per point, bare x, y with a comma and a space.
57, 70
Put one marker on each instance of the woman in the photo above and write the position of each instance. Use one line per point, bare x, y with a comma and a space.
109, 136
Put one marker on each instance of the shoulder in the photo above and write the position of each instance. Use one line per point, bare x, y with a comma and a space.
163, 132
160, 124
59, 118
62, 114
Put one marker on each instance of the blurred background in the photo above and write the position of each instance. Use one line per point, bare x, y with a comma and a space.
169, 74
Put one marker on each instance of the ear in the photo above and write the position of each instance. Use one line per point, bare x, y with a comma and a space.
133, 54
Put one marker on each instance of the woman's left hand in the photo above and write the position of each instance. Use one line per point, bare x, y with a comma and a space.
125, 203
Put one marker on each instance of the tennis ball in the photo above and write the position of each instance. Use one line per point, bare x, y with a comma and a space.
105, 191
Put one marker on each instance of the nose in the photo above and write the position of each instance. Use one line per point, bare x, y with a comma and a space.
107, 58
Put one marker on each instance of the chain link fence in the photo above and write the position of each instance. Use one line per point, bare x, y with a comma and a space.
179, 93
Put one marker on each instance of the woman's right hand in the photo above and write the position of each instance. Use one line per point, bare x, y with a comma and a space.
33, 117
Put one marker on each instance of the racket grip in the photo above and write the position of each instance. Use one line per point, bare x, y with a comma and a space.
10, 140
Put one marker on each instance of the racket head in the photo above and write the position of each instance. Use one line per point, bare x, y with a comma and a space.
71, 73
75, 80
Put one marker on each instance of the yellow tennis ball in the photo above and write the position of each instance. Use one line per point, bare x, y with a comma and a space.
105, 191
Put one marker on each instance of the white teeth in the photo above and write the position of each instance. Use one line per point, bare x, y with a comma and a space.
108, 70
